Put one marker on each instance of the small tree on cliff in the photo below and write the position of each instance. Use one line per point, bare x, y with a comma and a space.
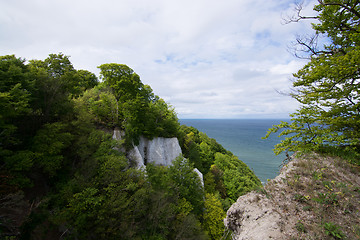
328, 86
140, 111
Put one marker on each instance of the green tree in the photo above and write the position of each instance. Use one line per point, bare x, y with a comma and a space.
48, 145
140, 112
15, 98
101, 103
187, 183
132, 97
238, 178
190, 148
16, 88
214, 216
55, 84
328, 86
123, 80
218, 178
206, 156
85, 80
176, 202
161, 119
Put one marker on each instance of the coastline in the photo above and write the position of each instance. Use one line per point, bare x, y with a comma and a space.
243, 138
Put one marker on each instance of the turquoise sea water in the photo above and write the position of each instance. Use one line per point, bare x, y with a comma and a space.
243, 138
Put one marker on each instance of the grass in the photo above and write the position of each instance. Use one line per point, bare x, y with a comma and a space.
324, 192
332, 229
350, 154
300, 227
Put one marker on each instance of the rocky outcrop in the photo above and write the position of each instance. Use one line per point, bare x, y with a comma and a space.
289, 206
159, 150
256, 216
118, 134
135, 158
200, 176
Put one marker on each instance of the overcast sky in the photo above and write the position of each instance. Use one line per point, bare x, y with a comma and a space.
207, 58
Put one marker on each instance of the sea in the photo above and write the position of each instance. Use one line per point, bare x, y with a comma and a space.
243, 137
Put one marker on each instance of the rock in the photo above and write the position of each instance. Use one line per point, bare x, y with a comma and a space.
118, 134
159, 151
135, 158
257, 216
254, 217
200, 176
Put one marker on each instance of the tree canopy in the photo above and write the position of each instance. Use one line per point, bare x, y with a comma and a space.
139, 110
62, 176
327, 87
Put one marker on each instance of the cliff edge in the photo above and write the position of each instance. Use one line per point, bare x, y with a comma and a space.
313, 197
159, 150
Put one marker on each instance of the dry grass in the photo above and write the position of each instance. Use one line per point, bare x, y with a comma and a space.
320, 198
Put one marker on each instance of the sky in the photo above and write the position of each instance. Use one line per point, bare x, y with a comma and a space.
206, 58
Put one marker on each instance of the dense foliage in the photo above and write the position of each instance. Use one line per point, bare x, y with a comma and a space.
63, 176
328, 86
224, 173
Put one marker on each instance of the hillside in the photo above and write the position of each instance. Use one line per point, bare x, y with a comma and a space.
83, 159
314, 197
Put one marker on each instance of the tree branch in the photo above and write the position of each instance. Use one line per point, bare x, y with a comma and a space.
350, 9
296, 17
308, 46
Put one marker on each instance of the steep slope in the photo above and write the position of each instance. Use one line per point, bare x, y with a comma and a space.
63, 176
158, 151
314, 197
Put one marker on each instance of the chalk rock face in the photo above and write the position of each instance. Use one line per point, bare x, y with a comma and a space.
135, 157
118, 134
200, 176
159, 151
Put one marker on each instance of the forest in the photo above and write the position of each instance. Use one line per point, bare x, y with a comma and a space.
62, 177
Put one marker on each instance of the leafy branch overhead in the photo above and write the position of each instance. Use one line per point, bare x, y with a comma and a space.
327, 87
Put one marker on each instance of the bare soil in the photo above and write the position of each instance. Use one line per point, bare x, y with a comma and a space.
314, 197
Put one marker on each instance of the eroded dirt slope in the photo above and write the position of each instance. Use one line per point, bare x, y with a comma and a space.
314, 197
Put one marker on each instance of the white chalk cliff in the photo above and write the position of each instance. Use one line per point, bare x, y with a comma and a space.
159, 151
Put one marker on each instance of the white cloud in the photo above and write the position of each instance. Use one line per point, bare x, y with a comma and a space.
209, 59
